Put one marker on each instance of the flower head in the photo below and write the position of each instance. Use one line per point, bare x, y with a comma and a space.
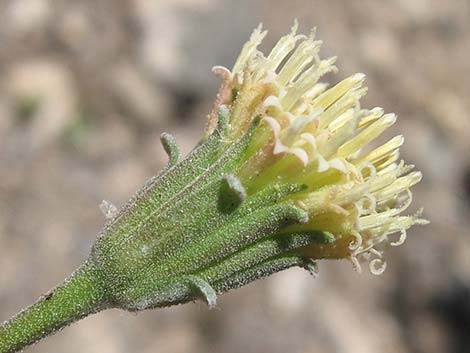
319, 137
284, 175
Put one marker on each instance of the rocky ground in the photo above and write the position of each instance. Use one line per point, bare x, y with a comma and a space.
87, 87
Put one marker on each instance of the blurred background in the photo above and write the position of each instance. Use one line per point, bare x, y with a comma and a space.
86, 87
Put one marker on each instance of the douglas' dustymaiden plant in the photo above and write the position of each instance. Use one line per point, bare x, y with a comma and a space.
284, 176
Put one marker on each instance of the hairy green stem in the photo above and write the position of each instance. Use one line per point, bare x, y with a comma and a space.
79, 296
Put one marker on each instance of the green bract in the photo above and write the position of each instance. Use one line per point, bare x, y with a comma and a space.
192, 231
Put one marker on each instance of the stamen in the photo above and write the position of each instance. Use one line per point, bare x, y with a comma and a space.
388, 160
384, 150
390, 169
342, 120
338, 209
304, 54
400, 185
304, 105
306, 81
340, 133
282, 48
345, 102
365, 136
249, 49
372, 115
351, 83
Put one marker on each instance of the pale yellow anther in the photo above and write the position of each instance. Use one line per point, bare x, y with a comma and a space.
303, 56
249, 49
367, 135
396, 224
400, 185
371, 116
347, 101
315, 91
306, 81
379, 219
339, 90
341, 120
389, 159
282, 49
383, 151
